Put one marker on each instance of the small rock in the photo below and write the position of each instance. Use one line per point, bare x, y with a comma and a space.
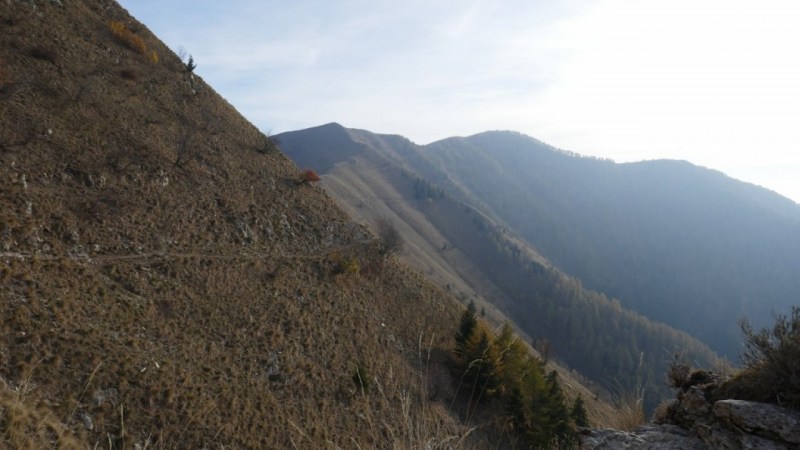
86, 420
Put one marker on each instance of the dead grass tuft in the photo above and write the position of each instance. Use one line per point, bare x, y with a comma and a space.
630, 409
26, 425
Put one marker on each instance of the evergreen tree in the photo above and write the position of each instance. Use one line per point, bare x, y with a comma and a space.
559, 415
578, 413
482, 364
465, 329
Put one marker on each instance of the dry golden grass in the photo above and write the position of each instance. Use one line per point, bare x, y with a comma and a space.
128, 37
25, 425
629, 405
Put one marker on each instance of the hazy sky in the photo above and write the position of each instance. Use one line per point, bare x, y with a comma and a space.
715, 82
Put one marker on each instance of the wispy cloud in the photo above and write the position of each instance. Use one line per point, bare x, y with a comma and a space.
712, 81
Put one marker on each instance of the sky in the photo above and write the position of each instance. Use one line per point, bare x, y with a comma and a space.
714, 82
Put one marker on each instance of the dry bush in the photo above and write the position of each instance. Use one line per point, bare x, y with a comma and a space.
772, 361
678, 371
630, 409
390, 240
128, 37
662, 412
344, 264
307, 176
271, 145
132, 40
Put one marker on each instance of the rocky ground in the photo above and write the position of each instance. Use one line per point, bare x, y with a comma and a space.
695, 421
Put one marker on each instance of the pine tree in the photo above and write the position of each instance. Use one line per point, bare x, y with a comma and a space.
559, 415
578, 413
465, 330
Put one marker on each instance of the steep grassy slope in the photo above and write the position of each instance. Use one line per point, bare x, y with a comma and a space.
451, 240
165, 282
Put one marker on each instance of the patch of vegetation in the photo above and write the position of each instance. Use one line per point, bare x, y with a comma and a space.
348, 265
501, 367
190, 65
307, 176
678, 371
389, 239
271, 145
26, 425
578, 413
771, 361
131, 40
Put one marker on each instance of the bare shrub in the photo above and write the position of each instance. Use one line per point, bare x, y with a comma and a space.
771, 360
271, 145
390, 240
678, 371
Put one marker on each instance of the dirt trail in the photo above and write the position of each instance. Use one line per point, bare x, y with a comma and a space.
170, 255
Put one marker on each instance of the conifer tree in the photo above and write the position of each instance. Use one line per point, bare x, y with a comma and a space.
465, 330
559, 415
578, 413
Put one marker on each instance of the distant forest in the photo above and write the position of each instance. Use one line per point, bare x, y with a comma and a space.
678, 243
628, 254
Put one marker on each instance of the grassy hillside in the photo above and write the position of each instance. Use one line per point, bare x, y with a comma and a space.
166, 282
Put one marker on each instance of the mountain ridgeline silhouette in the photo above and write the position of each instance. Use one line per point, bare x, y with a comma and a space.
675, 242
379, 175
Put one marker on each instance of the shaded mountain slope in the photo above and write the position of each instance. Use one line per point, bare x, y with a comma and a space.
166, 283
465, 250
676, 242
673, 241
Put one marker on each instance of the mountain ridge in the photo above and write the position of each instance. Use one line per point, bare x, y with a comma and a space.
482, 259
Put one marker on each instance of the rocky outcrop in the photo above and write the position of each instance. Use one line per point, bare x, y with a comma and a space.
769, 422
650, 437
692, 421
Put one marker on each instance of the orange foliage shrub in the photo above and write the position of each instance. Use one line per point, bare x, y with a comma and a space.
307, 176
132, 40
